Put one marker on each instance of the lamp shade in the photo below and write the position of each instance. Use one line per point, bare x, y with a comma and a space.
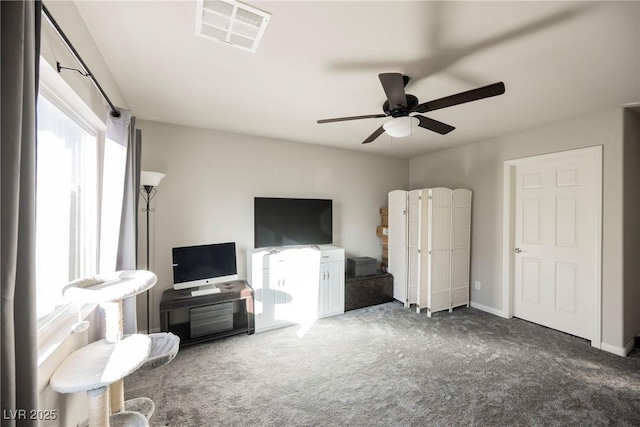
151, 179
399, 127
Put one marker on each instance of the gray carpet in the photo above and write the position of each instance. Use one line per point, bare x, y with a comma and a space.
388, 366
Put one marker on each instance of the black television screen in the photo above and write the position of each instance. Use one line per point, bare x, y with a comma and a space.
204, 265
289, 222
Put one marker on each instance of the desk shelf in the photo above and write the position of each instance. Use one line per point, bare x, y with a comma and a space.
233, 314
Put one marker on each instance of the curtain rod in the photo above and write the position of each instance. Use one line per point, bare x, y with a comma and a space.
114, 111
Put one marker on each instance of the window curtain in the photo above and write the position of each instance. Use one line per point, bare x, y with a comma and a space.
19, 52
128, 242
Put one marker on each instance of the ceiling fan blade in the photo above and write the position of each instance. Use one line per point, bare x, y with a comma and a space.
374, 135
463, 97
393, 85
434, 125
344, 119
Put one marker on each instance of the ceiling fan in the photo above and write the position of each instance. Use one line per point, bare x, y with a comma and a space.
400, 105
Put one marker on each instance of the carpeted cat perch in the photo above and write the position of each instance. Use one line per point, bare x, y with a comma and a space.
100, 367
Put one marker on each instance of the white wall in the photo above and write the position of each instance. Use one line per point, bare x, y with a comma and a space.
71, 408
213, 177
52, 49
479, 167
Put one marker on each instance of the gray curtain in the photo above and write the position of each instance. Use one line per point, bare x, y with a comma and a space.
128, 243
20, 52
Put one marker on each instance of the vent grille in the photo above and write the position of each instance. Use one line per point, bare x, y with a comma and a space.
231, 22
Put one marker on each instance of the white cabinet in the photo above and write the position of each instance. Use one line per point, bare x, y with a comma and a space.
295, 285
429, 247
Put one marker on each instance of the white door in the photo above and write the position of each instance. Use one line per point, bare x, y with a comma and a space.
556, 228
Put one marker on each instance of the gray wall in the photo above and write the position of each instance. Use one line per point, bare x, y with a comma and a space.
479, 167
631, 223
212, 178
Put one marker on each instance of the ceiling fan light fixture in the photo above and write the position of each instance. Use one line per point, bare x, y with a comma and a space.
399, 127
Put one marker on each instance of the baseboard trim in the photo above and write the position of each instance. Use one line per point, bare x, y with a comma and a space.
630, 346
488, 309
620, 351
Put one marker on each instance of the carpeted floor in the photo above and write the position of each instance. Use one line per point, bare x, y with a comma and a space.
388, 366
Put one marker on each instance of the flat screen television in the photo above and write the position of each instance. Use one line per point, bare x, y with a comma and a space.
195, 266
292, 222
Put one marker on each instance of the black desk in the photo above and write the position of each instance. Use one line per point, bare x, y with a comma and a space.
206, 317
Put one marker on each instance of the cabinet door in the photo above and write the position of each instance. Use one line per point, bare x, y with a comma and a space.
331, 295
264, 301
336, 287
283, 289
273, 301
323, 292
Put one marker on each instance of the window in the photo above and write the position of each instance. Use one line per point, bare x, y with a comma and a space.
66, 202
79, 190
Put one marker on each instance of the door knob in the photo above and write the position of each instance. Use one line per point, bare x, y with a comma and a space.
518, 250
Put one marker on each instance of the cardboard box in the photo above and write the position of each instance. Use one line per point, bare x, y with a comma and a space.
382, 231
384, 216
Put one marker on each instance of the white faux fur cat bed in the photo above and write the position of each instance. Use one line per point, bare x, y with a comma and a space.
109, 287
100, 363
164, 347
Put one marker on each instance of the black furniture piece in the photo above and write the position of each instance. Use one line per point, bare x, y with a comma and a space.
206, 317
366, 291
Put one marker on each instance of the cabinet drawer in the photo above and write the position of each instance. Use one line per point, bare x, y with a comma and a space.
211, 319
272, 260
332, 255
211, 311
210, 326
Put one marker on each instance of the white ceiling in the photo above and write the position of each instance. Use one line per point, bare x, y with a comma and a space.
322, 59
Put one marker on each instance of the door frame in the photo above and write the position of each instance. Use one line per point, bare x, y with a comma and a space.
508, 197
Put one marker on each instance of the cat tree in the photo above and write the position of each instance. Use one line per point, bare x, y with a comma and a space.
100, 367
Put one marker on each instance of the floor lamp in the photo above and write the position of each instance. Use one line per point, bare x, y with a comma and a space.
148, 183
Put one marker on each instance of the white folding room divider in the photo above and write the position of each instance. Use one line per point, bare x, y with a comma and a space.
429, 247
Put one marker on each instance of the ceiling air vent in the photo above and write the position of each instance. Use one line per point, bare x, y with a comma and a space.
231, 22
